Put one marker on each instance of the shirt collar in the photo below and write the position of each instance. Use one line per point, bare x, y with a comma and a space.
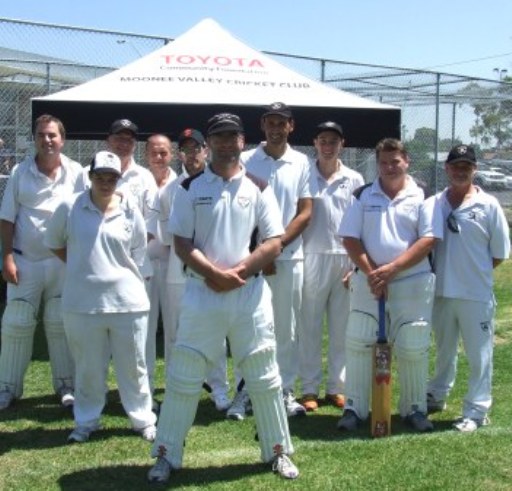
286, 158
211, 176
411, 189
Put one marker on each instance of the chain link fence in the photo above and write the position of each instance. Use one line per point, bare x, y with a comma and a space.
438, 110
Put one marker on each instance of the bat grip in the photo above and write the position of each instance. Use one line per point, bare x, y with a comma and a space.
381, 336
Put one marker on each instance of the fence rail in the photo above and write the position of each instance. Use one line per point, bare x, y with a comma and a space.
438, 109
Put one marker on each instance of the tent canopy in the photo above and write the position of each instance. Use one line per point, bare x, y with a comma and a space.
206, 71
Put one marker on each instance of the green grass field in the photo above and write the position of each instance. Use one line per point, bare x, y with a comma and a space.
223, 455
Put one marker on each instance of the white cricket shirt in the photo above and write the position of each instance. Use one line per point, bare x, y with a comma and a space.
221, 216
104, 255
30, 199
175, 268
388, 227
290, 179
463, 261
330, 203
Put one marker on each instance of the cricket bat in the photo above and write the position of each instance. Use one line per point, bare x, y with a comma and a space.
381, 383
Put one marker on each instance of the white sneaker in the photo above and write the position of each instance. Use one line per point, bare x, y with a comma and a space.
160, 472
67, 397
468, 425
293, 408
81, 434
6, 399
240, 406
222, 401
283, 466
148, 433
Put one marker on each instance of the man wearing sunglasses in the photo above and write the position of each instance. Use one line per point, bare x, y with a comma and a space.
476, 240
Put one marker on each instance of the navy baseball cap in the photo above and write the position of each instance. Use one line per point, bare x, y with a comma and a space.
329, 126
123, 125
191, 134
461, 153
279, 109
224, 122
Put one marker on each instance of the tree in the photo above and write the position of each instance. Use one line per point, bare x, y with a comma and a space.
493, 113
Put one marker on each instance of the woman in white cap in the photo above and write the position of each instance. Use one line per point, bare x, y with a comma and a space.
101, 236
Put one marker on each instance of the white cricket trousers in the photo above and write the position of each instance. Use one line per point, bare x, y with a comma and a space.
454, 318
323, 292
92, 338
158, 293
286, 286
217, 377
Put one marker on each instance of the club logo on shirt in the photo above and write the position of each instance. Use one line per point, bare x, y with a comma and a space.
343, 184
243, 201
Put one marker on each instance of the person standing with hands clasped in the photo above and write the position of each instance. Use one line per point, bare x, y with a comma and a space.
388, 232
476, 240
101, 236
220, 213
287, 172
193, 153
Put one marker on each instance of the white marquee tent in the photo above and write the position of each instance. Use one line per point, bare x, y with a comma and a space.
204, 71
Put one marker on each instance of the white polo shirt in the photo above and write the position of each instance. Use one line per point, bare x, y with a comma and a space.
290, 179
175, 269
157, 249
463, 261
388, 227
104, 255
330, 203
221, 216
30, 199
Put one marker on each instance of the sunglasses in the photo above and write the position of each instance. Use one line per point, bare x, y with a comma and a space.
452, 224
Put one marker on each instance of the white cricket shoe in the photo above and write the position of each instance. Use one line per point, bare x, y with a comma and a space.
67, 397
148, 433
160, 472
293, 408
468, 425
283, 466
221, 400
240, 406
6, 399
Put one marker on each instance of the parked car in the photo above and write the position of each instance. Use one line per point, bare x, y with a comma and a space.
508, 175
487, 178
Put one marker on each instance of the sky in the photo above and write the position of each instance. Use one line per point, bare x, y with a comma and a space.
466, 37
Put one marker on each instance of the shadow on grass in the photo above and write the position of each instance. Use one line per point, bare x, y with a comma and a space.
44, 409
42, 437
134, 477
324, 428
